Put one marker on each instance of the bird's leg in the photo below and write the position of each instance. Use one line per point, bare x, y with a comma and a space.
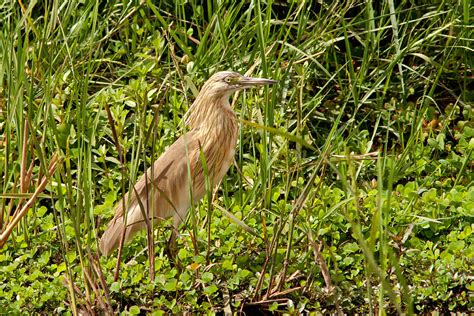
171, 249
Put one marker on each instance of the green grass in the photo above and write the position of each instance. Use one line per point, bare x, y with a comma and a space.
353, 191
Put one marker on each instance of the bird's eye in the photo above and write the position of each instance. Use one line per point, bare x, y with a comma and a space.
228, 79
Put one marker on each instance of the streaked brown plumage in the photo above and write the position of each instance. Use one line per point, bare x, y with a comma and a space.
178, 174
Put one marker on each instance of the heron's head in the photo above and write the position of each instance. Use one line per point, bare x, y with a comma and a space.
215, 94
224, 83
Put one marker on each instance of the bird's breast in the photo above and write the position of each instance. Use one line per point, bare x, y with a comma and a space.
218, 147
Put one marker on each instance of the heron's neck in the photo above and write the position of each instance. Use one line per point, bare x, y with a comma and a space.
212, 116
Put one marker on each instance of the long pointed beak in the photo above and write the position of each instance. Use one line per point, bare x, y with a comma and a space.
250, 82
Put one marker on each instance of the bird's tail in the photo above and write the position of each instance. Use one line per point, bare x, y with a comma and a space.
111, 238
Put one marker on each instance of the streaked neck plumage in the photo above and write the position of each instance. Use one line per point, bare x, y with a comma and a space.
211, 115
214, 125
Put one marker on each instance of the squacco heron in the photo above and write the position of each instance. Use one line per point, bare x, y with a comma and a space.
178, 176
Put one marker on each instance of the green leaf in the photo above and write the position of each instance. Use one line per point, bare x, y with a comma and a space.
273, 307
227, 264
137, 278
40, 211
115, 287
170, 285
211, 289
134, 310
470, 286
351, 247
207, 277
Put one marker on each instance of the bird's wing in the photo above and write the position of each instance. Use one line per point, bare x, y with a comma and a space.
170, 190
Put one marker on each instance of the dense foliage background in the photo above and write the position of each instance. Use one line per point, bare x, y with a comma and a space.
352, 190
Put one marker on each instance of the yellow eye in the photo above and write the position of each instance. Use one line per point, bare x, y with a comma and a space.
228, 79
